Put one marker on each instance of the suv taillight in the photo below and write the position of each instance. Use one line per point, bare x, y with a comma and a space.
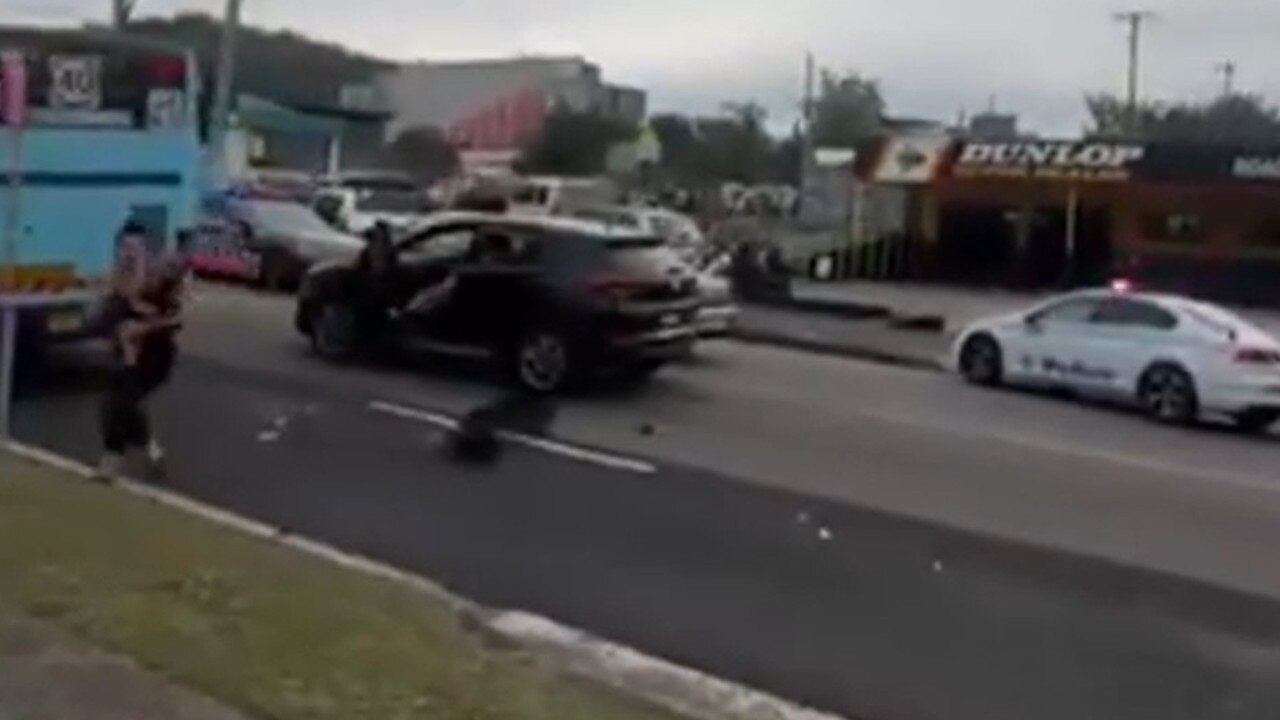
614, 287
1257, 356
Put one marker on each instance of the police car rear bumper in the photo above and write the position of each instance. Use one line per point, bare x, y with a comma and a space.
1250, 393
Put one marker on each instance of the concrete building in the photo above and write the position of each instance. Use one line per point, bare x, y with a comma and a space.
442, 94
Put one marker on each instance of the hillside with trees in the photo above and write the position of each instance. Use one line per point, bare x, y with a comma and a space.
281, 66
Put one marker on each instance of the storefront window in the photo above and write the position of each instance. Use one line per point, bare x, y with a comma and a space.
1176, 228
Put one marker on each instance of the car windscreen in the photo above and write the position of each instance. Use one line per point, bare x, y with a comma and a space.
392, 201
286, 218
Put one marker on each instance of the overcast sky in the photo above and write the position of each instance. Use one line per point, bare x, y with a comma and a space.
932, 57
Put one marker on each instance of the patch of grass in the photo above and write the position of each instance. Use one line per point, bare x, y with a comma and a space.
266, 629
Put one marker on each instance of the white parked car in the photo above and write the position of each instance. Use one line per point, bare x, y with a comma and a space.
1179, 359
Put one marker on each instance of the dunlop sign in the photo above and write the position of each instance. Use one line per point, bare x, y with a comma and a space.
1086, 161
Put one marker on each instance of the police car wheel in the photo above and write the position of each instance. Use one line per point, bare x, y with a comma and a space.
333, 332
1255, 421
981, 360
1168, 394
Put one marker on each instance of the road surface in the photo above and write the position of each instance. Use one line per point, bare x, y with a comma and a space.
798, 523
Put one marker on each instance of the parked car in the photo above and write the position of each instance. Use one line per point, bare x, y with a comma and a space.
354, 203
1176, 358
264, 238
555, 300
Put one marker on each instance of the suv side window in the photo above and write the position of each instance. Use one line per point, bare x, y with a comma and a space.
1071, 310
505, 247
453, 244
1134, 313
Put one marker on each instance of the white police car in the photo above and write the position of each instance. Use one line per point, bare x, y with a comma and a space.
1178, 359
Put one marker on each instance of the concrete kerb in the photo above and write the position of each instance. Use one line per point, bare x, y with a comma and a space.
648, 679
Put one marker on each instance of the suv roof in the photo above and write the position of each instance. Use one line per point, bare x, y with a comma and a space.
547, 222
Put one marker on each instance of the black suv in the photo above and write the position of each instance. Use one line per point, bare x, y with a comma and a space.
554, 299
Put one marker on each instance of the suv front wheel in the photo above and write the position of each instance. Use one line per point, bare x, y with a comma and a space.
332, 330
544, 361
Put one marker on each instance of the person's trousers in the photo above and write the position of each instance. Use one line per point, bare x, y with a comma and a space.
124, 419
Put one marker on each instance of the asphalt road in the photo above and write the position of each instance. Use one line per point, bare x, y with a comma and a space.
1202, 503
729, 518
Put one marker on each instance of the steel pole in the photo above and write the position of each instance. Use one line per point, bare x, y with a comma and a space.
220, 114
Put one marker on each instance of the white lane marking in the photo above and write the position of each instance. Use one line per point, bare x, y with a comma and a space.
1096, 455
680, 689
555, 447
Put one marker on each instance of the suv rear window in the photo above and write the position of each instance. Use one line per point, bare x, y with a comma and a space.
639, 255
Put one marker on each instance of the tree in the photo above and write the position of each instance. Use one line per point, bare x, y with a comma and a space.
1237, 118
573, 143
422, 152
847, 110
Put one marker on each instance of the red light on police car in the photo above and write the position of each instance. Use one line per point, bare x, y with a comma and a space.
1121, 285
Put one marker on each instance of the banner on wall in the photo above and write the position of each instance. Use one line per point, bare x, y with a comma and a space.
1049, 160
911, 159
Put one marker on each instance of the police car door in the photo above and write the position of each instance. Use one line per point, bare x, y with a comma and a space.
1051, 339
1128, 333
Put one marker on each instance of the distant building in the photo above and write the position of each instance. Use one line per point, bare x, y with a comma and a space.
458, 97
993, 126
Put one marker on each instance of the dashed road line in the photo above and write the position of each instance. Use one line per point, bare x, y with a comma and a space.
547, 445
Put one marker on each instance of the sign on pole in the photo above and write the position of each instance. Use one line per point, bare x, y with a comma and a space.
13, 84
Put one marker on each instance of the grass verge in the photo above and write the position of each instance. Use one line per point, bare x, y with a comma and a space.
263, 628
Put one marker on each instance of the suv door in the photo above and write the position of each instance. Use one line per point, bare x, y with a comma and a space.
423, 263
496, 283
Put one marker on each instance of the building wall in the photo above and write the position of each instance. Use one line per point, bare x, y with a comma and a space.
441, 94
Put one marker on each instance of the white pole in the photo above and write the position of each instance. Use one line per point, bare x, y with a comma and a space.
1073, 205
220, 112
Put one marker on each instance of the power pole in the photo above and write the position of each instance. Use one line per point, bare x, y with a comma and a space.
806, 123
1134, 20
220, 113
120, 12
1228, 71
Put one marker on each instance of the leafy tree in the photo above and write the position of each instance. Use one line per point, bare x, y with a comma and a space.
1238, 118
573, 143
422, 152
847, 110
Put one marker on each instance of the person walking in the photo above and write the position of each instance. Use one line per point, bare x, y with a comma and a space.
142, 319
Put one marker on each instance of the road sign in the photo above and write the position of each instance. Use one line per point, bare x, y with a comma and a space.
13, 85
75, 82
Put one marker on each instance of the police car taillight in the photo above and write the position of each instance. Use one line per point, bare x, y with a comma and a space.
1257, 356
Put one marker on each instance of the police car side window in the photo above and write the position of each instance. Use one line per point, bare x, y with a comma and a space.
1134, 313
1075, 310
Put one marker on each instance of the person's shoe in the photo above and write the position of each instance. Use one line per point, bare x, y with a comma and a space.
109, 468
155, 461
155, 452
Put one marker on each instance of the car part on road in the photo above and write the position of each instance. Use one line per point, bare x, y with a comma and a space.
1255, 421
981, 360
1168, 394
